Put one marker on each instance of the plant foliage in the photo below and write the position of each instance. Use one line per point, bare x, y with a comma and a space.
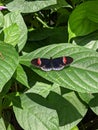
32, 99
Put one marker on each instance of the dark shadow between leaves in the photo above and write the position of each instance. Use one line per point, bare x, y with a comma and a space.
83, 40
67, 113
94, 102
34, 77
16, 101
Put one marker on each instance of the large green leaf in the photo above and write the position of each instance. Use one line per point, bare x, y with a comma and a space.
54, 113
84, 19
29, 6
82, 74
16, 18
33, 116
8, 63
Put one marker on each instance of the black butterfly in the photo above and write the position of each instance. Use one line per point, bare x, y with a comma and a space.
52, 64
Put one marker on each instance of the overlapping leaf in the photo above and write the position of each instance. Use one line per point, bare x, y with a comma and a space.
94, 104
29, 6
53, 113
16, 18
89, 41
84, 19
32, 115
44, 89
8, 63
21, 76
82, 75
2, 124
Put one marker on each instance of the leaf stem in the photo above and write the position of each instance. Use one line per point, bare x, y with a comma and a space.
42, 22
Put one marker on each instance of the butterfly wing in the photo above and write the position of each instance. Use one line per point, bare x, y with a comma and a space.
60, 62
42, 63
52, 64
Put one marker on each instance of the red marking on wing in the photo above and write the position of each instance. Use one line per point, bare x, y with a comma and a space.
64, 60
39, 61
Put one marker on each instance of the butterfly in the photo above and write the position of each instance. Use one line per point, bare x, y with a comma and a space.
52, 64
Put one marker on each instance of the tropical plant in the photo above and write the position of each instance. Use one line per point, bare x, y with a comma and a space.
33, 99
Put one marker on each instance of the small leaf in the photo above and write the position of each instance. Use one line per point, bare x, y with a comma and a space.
12, 34
75, 128
2, 124
10, 127
80, 76
21, 76
8, 63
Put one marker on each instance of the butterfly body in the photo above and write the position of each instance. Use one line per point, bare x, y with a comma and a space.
52, 64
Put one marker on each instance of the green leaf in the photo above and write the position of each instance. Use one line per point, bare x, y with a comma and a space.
10, 127
86, 97
1, 20
57, 34
94, 104
75, 128
80, 76
49, 35
43, 89
16, 18
89, 41
8, 63
69, 108
29, 6
12, 99
21, 76
50, 113
63, 16
59, 4
12, 34
34, 114
84, 19
2, 125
